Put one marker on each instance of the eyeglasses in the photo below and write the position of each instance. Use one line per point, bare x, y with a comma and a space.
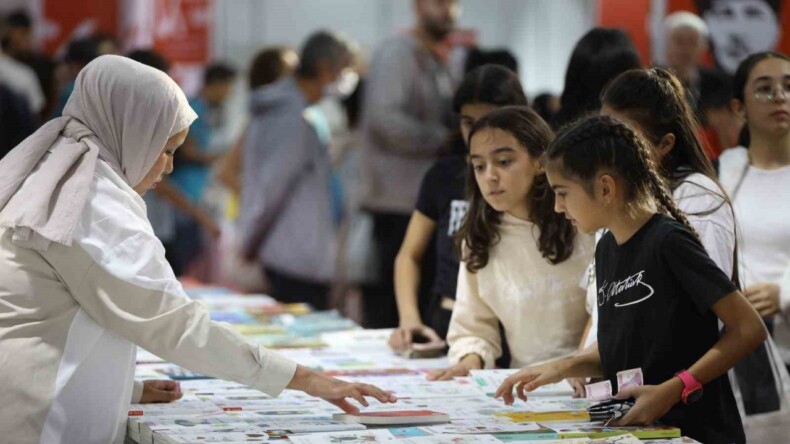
767, 93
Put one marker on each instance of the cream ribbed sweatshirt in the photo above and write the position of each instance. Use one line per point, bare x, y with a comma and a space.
540, 305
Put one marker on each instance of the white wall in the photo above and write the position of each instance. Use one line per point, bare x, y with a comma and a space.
540, 32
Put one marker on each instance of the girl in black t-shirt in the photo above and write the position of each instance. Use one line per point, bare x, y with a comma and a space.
660, 296
441, 207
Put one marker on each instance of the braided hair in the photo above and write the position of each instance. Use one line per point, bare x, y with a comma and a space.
600, 143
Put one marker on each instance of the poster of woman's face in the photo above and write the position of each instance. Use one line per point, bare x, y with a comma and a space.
739, 28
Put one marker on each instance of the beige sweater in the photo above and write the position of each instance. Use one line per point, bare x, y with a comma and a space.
540, 305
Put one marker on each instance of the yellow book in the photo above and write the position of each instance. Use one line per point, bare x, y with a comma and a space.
558, 416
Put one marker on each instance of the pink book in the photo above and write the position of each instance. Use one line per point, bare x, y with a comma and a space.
398, 417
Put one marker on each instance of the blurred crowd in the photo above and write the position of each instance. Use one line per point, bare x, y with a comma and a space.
312, 201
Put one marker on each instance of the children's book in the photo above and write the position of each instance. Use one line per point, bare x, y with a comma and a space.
237, 436
372, 372
597, 430
186, 406
490, 380
553, 441
544, 417
399, 417
178, 373
367, 436
451, 439
286, 429
620, 439
482, 426
683, 440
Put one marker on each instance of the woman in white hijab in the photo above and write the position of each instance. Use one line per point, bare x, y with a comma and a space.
84, 279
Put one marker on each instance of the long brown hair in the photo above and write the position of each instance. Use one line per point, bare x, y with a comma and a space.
657, 101
479, 231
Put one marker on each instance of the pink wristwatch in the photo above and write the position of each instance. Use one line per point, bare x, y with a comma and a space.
692, 390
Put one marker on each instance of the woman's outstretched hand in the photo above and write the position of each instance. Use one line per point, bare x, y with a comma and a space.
336, 391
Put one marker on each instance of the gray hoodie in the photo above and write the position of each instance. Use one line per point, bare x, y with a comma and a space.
405, 115
285, 211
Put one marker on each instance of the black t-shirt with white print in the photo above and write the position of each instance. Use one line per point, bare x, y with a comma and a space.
441, 199
655, 294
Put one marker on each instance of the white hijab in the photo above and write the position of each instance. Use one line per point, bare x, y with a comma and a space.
122, 112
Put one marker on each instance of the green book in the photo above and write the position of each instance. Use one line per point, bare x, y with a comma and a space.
600, 431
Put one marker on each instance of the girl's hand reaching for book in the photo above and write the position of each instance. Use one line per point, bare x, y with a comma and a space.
578, 386
403, 337
528, 379
467, 363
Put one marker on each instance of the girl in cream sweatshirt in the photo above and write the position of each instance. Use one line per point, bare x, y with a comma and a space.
523, 265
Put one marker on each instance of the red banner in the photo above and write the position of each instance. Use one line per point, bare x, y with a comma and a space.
182, 29
60, 21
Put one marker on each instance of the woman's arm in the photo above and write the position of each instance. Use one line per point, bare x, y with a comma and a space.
407, 281
177, 198
190, 152
229, 168
474, 331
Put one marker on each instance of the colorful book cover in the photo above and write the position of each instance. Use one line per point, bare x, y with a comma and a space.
395, 417
600, 431
248, 435
371, 372
552, 440
683, 440
367, 436
451, 439
620, 439
259, 329
544, 433
542, 417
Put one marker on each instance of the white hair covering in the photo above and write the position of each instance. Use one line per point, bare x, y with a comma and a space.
121, 112
685, 19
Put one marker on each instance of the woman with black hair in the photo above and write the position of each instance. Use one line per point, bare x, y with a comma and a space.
757, 176
599, 56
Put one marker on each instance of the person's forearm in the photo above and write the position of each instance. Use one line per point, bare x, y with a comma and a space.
586, 332
177, 198
229, 172
302, 379
472, 361
734, 345
407, 282
586, 364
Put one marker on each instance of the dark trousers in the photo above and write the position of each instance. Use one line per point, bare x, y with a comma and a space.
380, 309
290, 289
